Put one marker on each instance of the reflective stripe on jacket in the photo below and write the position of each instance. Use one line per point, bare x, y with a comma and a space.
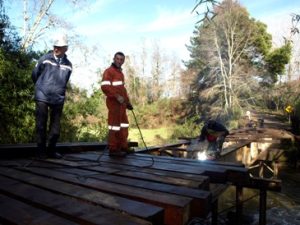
51, 78
113, 83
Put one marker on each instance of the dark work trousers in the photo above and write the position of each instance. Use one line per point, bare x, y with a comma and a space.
42, 111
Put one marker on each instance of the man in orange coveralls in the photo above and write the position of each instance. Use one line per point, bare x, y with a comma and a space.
117, 102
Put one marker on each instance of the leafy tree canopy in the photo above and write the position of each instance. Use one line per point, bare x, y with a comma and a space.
229, 51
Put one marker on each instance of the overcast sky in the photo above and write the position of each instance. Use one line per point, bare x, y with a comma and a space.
115, 25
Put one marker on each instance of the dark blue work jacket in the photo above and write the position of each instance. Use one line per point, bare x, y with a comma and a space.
50, 78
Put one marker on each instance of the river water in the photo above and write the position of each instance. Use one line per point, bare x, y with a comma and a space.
283, 208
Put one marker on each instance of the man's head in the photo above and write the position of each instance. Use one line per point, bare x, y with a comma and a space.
60, 45
119, 59
210, 123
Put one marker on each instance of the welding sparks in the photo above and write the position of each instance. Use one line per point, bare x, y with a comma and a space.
202, 156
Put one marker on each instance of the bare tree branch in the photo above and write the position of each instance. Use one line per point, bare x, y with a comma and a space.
31, 35
208, 13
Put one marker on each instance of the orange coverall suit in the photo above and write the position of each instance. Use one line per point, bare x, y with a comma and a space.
113, 85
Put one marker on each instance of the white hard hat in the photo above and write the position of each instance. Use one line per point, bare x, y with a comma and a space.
60, 41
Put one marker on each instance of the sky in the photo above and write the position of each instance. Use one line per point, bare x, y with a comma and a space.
123, 25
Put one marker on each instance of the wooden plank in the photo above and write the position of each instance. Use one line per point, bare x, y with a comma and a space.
209, 165
176, 207
234, 147
156, 148
164, 179
138, 209
230, 173
117, 166
200, 205
201, 198
205, 163
16, 212
64, 206
197, 162
201, 179
243, 143
29, 149
185, 179
217, 174
113, 168
251, 139
265, 184
132, 172
209, 162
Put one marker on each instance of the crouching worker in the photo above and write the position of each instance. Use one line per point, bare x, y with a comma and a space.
215, 134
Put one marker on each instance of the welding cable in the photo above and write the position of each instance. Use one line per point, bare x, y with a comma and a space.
137, 125
101, 154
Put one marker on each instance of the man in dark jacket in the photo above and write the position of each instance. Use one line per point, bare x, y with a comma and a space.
215, 134
50, 76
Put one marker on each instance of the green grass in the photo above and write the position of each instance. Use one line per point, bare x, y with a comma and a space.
157, 136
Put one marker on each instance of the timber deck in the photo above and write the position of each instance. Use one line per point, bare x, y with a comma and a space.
93, 188
89, 187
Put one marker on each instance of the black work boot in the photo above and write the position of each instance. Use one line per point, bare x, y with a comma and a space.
127, 150
41, 152
52, 153
117, 154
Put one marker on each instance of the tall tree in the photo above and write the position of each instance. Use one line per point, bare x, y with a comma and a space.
172, 85
229, 51
220, 51
39, 18
156, 73
133, 81
16, 105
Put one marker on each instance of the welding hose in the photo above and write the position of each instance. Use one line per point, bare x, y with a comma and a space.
137, 125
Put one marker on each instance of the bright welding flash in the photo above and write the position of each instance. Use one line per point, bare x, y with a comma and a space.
202, 156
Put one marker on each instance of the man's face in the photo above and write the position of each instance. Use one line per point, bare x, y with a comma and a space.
119, 60
60, 51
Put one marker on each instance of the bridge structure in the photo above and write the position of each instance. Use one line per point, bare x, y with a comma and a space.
156, 185
261, 150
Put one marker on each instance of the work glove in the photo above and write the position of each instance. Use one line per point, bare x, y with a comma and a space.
129, 106
120, 99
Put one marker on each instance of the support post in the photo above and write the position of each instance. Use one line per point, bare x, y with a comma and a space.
262, 206
214, 213
261, 169
239, 204
275, 173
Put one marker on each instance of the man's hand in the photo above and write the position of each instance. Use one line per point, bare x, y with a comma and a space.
120, 99
129, 106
